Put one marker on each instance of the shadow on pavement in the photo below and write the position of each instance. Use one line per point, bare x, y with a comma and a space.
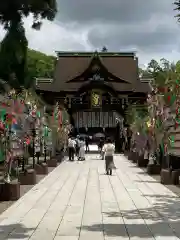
161, 219
141, 181
15, 231
141, 173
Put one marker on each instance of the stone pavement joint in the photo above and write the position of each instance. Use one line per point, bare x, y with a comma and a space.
77, 201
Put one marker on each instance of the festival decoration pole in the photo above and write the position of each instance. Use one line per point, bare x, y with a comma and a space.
45, 144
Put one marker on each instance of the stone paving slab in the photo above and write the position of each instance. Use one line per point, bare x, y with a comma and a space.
77, 201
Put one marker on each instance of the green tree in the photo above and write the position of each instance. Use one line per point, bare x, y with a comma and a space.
153, 67
178, 67
14, 11
14, 45
144, 73
177, 8
39, 65
104, 49
13, 56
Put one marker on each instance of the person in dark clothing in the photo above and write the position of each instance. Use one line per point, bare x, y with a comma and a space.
77, 146
129, 136
121, 140
87, 143
101, 144
71, 148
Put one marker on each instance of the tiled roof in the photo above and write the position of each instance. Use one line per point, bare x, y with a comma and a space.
72, 65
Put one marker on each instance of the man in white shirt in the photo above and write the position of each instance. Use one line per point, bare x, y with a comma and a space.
71, 148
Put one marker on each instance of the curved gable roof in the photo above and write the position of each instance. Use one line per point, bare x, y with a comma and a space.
124, 66
97, 61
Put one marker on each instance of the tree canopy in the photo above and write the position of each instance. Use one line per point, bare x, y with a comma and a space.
177, 8
161, 71
14, 11
13, 52
39, 65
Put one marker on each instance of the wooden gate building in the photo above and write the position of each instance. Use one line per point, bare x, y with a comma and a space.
95, 87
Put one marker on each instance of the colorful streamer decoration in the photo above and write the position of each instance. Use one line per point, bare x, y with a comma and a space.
46, 131
27, 141
9, 118
3, 115
60, 118
177, 83
38, 114
170, 98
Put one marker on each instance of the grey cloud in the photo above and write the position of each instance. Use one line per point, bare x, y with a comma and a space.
124, 11
163, 38
149, 27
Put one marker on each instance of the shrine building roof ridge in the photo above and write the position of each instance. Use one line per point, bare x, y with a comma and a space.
90, 53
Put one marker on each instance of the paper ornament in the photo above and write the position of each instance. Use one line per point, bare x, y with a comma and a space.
161, 89
3, 114
14, 121
172, 141
2, 127
177, 123
177, 83
177, 111
9, 118
38, 114
60, 118
27, 141
170, 98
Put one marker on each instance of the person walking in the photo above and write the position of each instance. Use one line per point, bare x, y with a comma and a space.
82, 144
77, 146
71, 148
108, 150
129, 136
87, 143
100, 146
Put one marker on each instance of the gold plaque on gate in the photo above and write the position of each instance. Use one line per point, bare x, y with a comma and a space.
95, 99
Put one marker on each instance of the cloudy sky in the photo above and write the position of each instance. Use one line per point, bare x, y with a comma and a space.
147, 27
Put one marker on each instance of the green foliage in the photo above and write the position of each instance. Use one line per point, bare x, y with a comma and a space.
153, 68
13, 56
177, 8
163, 72
13, 53
143, 73
39, 65
14, 11
136, 114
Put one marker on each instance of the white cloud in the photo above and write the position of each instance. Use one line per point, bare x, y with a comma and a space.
55, 37
70, 36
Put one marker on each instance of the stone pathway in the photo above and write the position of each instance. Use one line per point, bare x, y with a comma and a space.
77, 201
